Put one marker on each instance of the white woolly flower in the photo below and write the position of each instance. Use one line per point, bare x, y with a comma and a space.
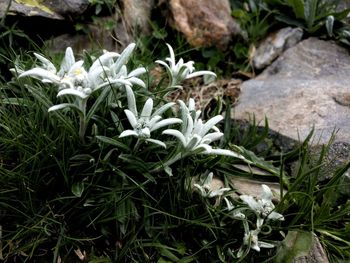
235, 213
72, 78
194, 135
251, 239
263, 207
117, 73
146, 122
205, 187
179, 71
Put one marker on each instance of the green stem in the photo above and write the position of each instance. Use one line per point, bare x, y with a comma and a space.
82, 120
169, 162
137, 145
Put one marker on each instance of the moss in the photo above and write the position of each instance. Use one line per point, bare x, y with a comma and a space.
37, 4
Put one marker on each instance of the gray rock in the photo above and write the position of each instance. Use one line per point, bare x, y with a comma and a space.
96, 36
316, 254
137, 14
53, 9
308, 86
68, 7
274, 45
206, 22
33, 8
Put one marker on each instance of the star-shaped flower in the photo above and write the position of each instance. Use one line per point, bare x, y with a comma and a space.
263, 207
205, 187
146, 122
194, 135
179, 71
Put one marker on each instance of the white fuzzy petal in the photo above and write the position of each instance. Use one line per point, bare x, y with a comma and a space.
60, 106
211, 137
128, 133
137, 81
165, 122
67, 62
200, 73
164, 65
77, 66
157, 142
172, 56
266, 193
193, 142
41, 73
104, 60
163, 109
154, 120
251, 202
147, 110
208, 180
218, 192
210, 124
47, 63
275, 216
137, 72
131, 100
176, 134
203, 148
73, 92
189, 128
124, 57
131, 118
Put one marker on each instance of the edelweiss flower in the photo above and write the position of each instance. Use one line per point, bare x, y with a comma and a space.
72, 78
180, 71
194, 135
205, 188
263, 207
230, 207
251, 239
146, 122
117, 72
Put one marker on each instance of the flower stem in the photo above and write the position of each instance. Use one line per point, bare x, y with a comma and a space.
177, 157
137, 145
82, 120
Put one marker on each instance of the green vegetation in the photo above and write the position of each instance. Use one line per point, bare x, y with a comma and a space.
97, 165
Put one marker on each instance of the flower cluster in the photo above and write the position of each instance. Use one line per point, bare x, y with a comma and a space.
263, 208
110, 70
76, 82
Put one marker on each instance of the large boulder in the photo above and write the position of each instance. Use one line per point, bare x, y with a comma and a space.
204, 23
306, 87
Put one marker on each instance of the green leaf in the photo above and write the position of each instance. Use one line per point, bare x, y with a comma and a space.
162, 260
310, 12
259, 162
101, 98
16, 101
168, 254
113, 142
78, 189
298, 8
296, 244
